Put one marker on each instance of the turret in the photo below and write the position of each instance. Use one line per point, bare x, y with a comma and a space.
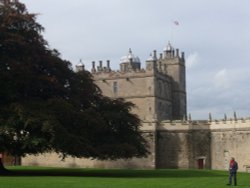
168, 51
80, 66
130, 62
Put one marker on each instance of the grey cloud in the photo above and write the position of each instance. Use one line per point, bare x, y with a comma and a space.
217, 31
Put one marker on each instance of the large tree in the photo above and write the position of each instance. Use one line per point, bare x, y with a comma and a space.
46, 106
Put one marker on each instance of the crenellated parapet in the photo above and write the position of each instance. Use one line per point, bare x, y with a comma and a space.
183, 125
120, 74
131, 63
171, 53
230, 124
106, 72
206, 124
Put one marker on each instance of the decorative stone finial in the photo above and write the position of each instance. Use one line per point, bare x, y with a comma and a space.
235, 116
210, 117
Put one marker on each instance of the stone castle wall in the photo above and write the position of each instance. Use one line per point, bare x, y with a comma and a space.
183, 148
130, 86
176, 145
182, 145
52, 159
230, 139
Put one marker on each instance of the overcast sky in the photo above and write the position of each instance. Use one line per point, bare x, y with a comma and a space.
214, 34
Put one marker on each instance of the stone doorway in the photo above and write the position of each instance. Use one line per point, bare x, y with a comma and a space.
201, 162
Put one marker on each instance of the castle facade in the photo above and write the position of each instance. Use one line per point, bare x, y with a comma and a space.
159, 93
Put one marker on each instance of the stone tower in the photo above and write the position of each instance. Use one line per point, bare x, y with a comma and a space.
158, 91
174, 65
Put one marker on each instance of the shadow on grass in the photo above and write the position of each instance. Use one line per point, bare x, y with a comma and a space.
115, 173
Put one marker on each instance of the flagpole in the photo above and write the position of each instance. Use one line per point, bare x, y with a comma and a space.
173, 24
171, 32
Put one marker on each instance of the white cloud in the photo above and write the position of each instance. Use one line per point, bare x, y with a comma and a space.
221, 80
192, 60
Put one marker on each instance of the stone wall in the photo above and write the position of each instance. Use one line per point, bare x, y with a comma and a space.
136, 87
176, 144
188, 144
230, 139
172, 149
54, 160
182, 145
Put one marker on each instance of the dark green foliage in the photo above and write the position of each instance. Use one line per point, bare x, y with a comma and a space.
46, 106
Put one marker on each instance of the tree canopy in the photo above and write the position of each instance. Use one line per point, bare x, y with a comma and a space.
46, 106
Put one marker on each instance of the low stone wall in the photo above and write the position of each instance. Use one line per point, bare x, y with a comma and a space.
53, 159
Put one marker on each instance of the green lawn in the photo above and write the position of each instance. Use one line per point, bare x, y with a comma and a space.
41, 177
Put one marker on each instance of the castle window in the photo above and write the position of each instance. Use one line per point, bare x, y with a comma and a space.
115, 87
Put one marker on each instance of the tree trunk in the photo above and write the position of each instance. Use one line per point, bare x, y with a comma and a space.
3, 170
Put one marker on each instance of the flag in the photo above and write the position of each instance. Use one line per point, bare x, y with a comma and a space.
176, 22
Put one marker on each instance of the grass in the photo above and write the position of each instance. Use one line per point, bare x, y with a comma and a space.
41, 177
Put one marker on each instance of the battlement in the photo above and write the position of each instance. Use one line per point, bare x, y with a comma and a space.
119, 75
206, 124
106, 74
230, 124
170, 53
131, 63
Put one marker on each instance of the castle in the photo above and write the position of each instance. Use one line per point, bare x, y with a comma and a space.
159, 92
